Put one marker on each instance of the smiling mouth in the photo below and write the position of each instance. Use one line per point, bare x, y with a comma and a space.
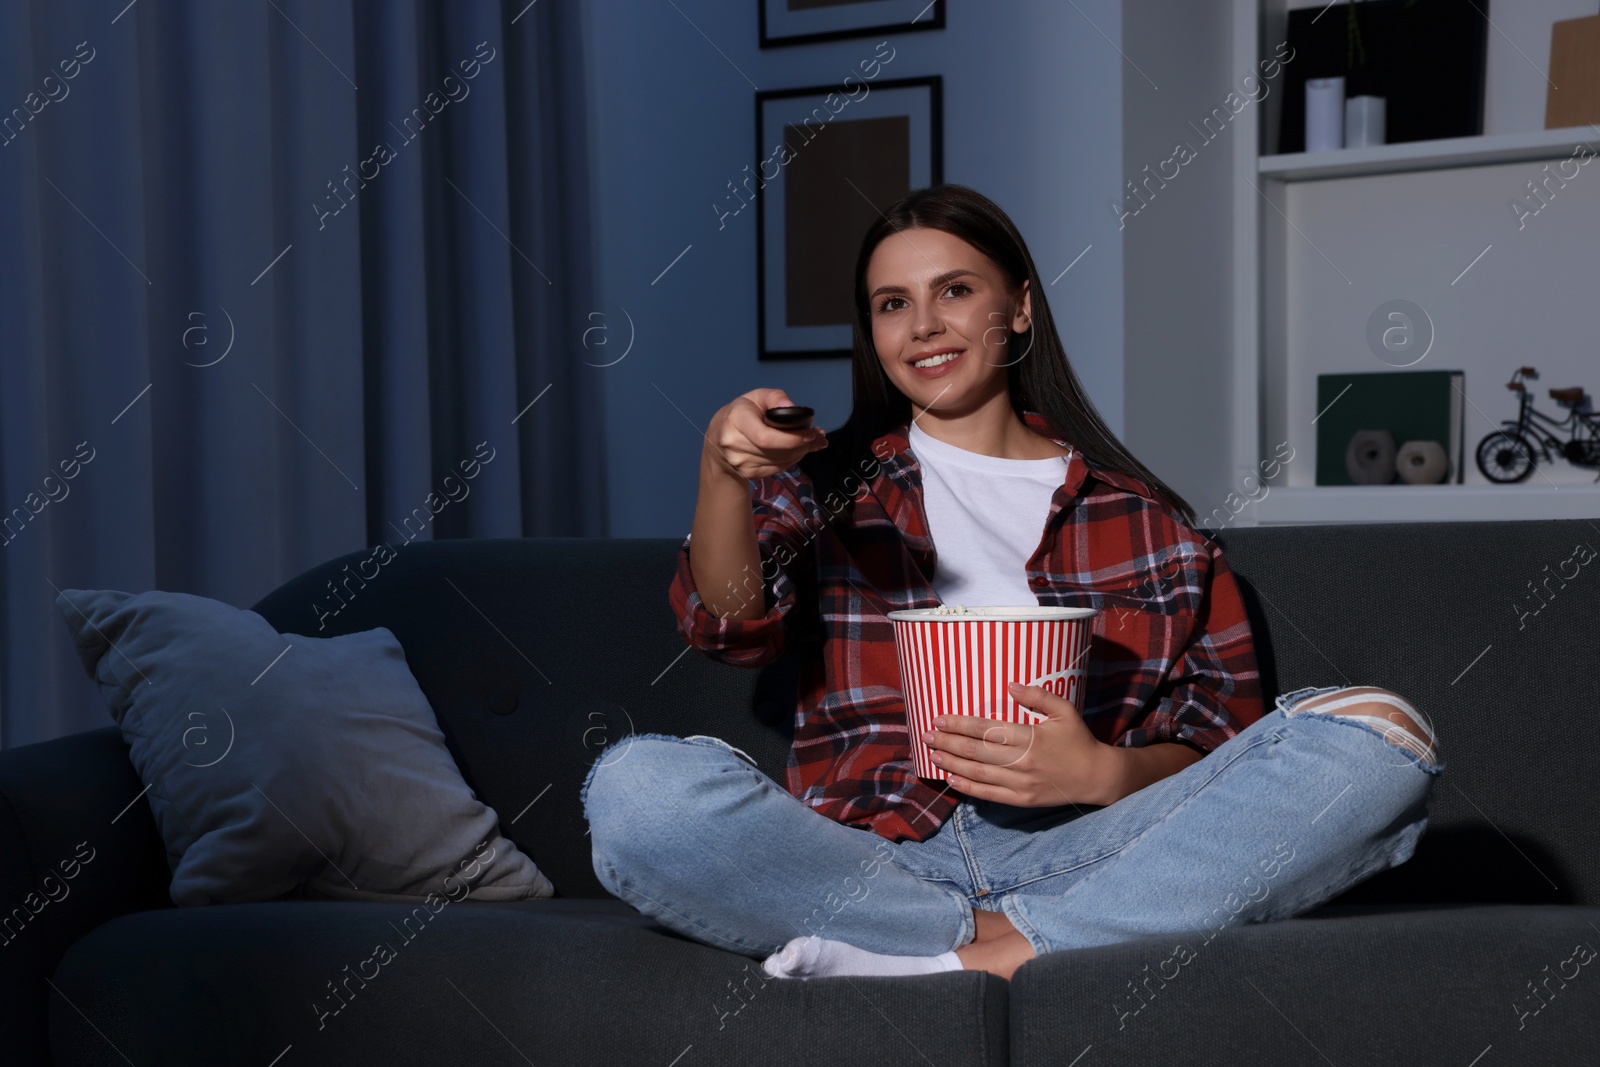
937, 361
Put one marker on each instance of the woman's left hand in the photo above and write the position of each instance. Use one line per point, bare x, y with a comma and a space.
1055, 761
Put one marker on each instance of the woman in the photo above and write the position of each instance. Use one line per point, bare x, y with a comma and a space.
1095, 825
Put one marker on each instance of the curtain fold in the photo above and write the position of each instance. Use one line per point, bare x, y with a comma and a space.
279, 281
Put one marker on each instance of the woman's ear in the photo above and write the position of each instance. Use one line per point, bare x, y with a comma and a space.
1024, 315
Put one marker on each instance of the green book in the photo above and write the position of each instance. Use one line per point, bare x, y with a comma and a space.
1416, 405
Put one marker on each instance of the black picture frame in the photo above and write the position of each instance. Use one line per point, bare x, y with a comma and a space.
782, 27
830, 247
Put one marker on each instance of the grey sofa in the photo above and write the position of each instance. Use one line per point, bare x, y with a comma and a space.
1468, 954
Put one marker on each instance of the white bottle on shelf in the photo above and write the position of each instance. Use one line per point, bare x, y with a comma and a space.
1324, 114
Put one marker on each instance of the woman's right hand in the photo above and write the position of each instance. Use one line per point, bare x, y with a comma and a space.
742, 444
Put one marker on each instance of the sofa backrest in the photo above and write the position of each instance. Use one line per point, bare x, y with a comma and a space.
1447, 615
537, 653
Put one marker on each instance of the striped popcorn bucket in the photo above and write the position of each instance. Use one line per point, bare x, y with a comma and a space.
959, 663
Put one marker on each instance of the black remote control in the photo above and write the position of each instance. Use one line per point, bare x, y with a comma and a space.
790, 418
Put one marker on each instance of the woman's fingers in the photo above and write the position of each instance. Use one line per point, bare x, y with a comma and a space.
997, 744
767, 451
755, 463
748, 446
774, 442
770, 439
993, 731
1039, 699
997, 776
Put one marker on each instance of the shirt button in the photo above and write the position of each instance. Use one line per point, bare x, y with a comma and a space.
1038, 581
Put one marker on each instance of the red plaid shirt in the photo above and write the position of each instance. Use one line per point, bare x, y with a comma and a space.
1173, 658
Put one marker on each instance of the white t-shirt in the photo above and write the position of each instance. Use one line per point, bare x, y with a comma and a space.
986, 515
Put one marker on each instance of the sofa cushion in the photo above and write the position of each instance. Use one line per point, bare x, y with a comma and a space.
547, 981
537, 654
1341, 985
273, 761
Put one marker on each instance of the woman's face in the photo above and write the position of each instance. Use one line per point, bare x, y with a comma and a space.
929, 292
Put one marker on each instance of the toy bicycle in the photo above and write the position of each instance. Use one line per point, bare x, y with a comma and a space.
1508, 454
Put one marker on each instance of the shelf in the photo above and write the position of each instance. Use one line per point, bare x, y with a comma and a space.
1428, 155
1427, 503
1409, 237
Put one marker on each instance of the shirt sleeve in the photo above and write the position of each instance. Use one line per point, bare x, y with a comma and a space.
785, 550
1213, 690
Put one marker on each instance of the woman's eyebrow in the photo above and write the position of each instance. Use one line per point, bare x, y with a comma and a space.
933, 283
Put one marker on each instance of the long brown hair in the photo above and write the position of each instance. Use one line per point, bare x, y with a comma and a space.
1041, 380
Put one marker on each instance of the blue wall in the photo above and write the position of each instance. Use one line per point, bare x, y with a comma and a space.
1033, 115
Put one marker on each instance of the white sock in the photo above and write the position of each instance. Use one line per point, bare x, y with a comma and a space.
814, 957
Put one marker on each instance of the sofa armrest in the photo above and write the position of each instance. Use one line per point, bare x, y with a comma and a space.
76, 849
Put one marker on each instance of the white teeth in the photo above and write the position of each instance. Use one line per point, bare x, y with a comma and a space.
934, 361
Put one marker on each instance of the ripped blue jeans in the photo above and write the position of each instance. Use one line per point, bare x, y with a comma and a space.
1278, 819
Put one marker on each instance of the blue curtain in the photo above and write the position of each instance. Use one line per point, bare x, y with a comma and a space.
281, 280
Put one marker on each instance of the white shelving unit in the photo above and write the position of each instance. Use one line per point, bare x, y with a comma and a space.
1442, 154
1294, 317
1426, 503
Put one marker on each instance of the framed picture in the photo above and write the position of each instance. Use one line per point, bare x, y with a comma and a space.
786, 22
828, 166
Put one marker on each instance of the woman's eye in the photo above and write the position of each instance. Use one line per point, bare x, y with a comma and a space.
884, 305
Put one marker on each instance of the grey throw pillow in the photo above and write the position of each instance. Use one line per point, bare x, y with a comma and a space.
275, 761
